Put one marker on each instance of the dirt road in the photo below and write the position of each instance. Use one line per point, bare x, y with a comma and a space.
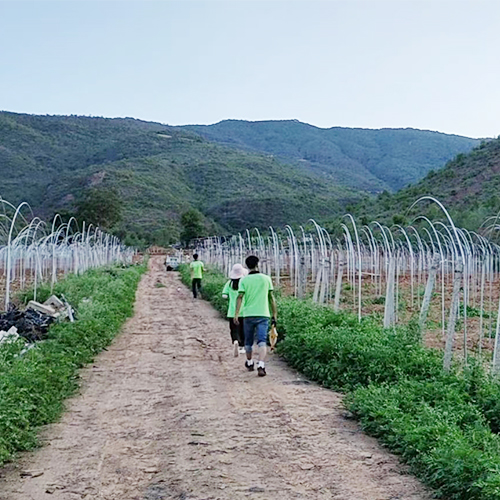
168, 413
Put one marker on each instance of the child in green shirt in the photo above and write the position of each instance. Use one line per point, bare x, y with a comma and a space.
197, 269
230, 291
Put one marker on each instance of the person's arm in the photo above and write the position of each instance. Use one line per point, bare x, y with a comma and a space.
274, 309
225, 291
239, 300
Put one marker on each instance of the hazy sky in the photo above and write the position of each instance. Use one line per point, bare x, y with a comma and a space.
428, 64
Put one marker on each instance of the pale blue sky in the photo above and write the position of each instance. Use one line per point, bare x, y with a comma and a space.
428, 64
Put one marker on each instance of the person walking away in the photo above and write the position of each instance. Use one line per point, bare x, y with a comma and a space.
255, 294
197, 269
230, 291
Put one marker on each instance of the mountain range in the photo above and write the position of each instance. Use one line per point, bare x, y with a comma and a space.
363, 159
238, 174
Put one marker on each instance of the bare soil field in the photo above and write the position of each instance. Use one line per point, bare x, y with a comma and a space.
409, 306
167, 412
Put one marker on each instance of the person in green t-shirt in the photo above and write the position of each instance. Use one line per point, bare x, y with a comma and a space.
197, 270
255, 294
230, 291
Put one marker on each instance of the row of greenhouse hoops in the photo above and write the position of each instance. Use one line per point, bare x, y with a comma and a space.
435, 260
33, 251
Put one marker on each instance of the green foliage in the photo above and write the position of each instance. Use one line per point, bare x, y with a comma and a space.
440, 423
484, 391
100, 207
192, 226
467, 186
473, 312
33, 387
341, 353
446, 441
399, 219
158, 172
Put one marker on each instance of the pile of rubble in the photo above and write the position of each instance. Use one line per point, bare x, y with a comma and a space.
33, 323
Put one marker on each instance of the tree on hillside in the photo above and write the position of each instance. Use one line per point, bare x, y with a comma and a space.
98, 206
192, 225
165, 236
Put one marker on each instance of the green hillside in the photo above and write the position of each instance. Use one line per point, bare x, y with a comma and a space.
158, 171
468, 186
370, 160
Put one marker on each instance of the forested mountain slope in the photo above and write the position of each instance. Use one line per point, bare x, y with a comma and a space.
158, 171
161, 171
370, 160
468, 186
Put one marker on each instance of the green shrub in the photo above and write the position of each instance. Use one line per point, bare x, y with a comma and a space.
447, 442
342, 353
484, 390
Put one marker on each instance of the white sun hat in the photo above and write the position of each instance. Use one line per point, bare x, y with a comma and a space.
237, 272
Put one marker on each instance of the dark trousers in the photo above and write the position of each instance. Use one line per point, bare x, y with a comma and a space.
196, 285
237, 332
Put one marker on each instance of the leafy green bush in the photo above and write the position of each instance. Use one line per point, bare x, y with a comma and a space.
34, 386
342, 353
447, 442
484, 391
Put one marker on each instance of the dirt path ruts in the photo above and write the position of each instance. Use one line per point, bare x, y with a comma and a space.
168, 413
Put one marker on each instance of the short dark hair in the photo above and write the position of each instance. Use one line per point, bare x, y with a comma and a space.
195, 256
251, 261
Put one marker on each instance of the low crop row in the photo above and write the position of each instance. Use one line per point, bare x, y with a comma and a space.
441, 424
444, 425
33, 386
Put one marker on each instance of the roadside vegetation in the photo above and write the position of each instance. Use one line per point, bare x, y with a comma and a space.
35, 383
445, 425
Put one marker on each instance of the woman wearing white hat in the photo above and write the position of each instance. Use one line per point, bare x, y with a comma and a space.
230, 291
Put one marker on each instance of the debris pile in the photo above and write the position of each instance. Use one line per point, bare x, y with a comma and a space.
33, 323
10, 335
